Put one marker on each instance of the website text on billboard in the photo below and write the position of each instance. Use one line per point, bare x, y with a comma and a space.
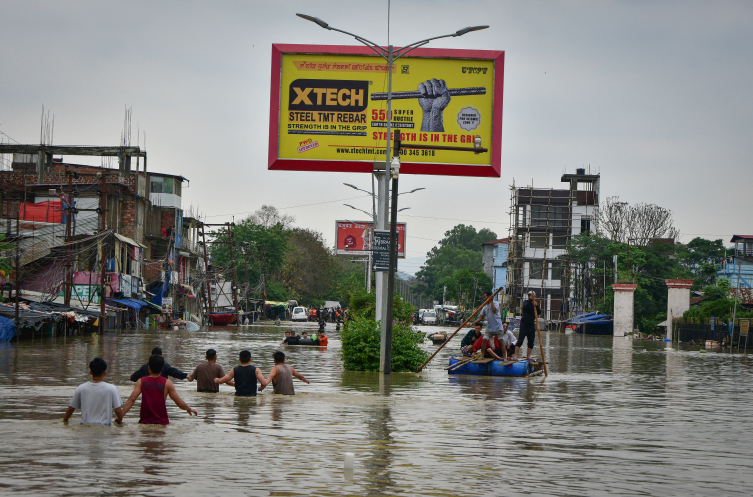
329, 109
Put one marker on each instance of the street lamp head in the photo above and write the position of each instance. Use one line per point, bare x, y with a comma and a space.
459, 32
416, 189
318, 21
403, 209
352, 186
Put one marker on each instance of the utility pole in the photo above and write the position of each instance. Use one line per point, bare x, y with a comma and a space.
235, 271
103, 253
18, 266
206, 271
68, 272
248, 280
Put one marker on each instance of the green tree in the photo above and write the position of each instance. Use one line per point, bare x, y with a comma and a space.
265, 247
466, 285
461, 248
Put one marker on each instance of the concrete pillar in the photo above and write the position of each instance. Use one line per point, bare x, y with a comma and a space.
623, 308
678, 301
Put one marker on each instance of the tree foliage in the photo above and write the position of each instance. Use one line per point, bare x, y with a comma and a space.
649, 266
639, 223
361, 336
284, 262
460, 249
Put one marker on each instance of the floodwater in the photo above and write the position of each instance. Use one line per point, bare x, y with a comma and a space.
614, 417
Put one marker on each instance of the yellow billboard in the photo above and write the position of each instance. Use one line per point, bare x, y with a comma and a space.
329, 109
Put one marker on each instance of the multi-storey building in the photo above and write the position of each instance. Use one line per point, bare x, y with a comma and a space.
542, 221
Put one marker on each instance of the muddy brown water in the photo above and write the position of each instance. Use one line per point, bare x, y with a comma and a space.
615, 417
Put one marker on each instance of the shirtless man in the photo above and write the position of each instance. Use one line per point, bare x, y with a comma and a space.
281, 376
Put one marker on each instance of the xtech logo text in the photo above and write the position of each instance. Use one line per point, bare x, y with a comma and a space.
334, 95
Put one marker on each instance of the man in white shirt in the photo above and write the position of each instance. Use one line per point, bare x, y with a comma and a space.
493, 318
95, 398
508, 342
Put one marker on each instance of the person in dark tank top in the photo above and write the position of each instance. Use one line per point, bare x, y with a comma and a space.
244, 377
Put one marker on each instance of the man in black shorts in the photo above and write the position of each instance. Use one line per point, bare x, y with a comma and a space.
527, 325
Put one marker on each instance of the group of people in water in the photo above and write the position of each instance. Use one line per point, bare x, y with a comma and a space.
498, 342
318, 338
327, 314
97, 399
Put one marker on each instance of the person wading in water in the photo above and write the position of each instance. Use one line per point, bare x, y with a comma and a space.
281, 376
155, 389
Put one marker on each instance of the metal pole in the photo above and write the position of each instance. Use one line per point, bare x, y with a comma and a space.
18, 268
103, 254
235, 272
248, 279
206, 271
734, 314
385, 352
68, 272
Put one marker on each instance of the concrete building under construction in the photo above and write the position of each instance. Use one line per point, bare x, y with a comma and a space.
542, 220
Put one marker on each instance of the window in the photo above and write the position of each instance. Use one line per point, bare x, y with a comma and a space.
163, 185
537, 268
549, 216
556, 271
559, 241
539, 240
156, 185
538, 215
559, 217
585, 225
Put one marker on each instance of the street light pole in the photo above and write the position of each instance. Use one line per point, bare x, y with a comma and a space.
384, 299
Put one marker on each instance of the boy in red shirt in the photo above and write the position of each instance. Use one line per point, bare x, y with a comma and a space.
155, 389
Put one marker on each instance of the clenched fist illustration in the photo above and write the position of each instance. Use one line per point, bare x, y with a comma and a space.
434, 99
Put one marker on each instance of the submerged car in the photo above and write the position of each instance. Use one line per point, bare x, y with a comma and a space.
429, 317
300, 314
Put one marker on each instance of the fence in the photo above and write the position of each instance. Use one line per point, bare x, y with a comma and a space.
700, 330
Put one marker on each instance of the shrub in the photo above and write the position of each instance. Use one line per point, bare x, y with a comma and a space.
361, 338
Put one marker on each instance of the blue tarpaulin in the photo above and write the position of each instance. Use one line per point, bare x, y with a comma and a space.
7, 329
136, 304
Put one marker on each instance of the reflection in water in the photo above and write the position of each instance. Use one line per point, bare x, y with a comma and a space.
622, 356
614, 416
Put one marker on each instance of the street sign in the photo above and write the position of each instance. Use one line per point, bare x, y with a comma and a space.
329, 110
381, 254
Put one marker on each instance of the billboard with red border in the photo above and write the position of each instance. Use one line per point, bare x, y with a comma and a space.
328, 109
355, 238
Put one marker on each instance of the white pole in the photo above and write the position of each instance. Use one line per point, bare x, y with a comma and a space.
384, 193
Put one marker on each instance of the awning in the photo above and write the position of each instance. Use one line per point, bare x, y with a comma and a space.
155, 306
127, 240
133, 303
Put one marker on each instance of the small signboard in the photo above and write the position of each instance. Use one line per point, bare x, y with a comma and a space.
744, 327
381, 257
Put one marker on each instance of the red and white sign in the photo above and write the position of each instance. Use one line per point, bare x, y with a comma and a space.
355, 238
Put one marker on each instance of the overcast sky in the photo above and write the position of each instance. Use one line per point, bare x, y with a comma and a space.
656, 96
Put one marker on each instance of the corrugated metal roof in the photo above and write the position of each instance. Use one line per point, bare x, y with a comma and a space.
127, 240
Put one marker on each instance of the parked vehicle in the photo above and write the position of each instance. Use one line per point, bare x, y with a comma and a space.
429, 317
300, 314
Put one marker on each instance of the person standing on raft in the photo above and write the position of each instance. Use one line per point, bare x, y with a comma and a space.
528, 324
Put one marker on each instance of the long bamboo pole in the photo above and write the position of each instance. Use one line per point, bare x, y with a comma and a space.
459, 328
538, 332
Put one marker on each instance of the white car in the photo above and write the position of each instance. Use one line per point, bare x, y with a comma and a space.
429, 317
300, 314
